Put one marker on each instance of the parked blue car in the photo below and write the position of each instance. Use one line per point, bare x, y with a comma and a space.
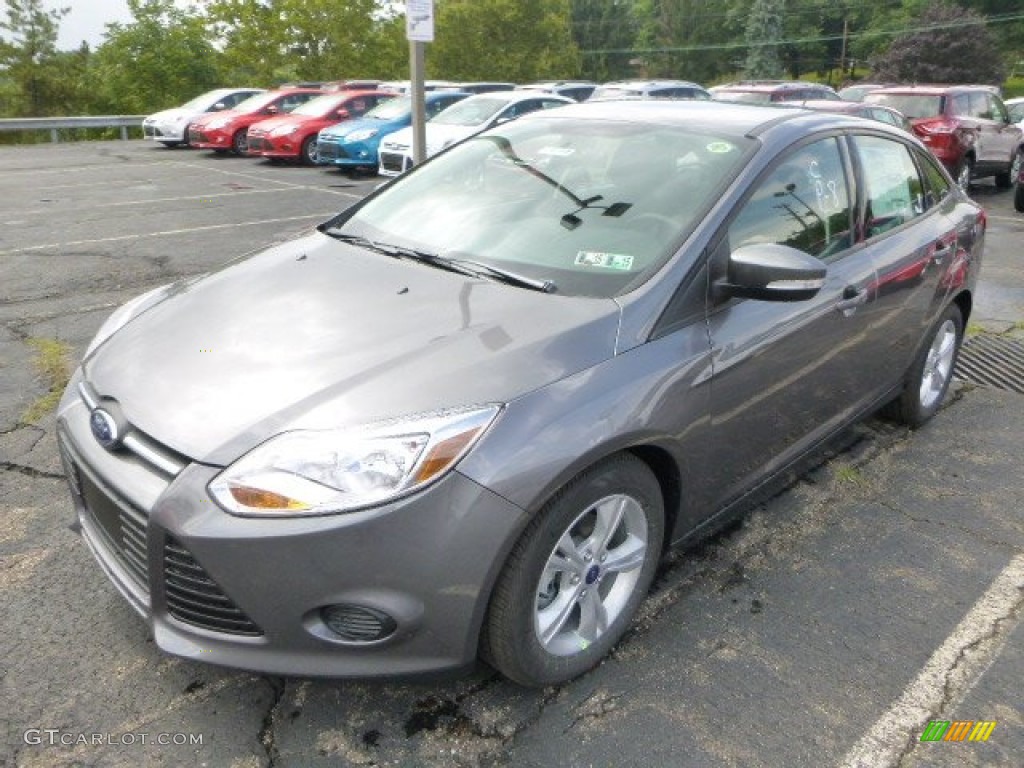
354, 144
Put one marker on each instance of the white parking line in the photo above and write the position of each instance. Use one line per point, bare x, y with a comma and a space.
166, 233
948, 675
266, 179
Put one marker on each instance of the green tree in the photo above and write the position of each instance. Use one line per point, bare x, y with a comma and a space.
32, 84
605, 32
688, 39
951, 45
162, 58
764, 33
515, 40
272, 41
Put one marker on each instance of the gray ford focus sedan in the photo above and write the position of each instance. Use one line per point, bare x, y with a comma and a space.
466, 417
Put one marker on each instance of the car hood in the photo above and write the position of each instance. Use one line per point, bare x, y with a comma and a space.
173, 114
437, 135
350, 127
317, 333
225, 114
270, 123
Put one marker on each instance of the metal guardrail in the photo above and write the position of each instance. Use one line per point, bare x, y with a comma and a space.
54, 124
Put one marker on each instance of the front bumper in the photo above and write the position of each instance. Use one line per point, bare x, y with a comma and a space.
250, 593
163, 131
207, 139
263, 145
352, 155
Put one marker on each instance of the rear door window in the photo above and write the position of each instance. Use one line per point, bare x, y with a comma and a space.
894, 191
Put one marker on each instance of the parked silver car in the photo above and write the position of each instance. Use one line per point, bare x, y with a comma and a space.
170, 127
467, 416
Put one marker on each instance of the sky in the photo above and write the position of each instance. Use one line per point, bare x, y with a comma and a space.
87, 20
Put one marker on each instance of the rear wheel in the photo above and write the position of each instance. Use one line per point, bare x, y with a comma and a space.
931, 372
577, 575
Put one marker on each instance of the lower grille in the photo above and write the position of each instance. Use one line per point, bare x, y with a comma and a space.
195, 598
196, 137
391, 162
258, 144
330, 151
123, 527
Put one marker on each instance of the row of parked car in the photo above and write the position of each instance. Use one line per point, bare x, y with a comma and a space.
365, 125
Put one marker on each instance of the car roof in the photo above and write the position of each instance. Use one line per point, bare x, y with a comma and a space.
646, 84
933, 89
715, 117
769, 86
513, 96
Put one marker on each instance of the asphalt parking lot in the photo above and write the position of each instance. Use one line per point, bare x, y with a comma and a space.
883, 590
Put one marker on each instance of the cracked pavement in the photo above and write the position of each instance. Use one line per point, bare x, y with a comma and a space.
785, 640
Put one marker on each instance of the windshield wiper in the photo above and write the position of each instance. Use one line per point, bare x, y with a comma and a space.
468, 267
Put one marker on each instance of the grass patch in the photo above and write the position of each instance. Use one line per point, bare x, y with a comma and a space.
51, 362
847, 475
973, 329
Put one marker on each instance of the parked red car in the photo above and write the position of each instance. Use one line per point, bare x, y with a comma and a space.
293, 136
966, 126
226, 131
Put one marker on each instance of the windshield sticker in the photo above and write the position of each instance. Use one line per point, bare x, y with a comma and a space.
557, 151
619, 261
720, 147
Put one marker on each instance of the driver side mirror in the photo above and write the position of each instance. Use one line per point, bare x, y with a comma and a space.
220, 105
343, 114
271, 110
772, 272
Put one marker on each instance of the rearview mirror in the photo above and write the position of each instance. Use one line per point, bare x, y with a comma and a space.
772, 272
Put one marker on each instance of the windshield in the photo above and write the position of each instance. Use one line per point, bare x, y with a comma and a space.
204, 100
912, 105
320, 105
594, 206
607, 93
257, 102
472, 111
393, 109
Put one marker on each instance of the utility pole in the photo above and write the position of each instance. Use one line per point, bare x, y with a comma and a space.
419, 29
842, 55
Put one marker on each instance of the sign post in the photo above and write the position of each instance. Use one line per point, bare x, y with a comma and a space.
419, 29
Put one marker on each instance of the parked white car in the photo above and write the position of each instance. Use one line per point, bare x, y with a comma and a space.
170, 127
1016, 109
460, 121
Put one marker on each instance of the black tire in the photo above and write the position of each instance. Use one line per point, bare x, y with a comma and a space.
308, 155
240, 142
1018, 196
610, 515
1005, 180
931, 372
964, 172
171, 144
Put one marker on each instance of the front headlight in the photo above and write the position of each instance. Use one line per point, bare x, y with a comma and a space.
363, 135
120, 316
284, 130
322, 472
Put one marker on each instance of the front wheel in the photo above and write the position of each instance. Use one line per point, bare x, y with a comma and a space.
240, 142
964, 172
1005, 180
931, 371
577, 576
309, 154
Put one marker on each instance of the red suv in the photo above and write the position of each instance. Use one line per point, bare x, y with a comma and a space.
966, 126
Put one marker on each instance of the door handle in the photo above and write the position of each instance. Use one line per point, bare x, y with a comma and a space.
943, 248
853, 297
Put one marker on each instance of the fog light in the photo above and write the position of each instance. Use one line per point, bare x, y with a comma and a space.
357, 623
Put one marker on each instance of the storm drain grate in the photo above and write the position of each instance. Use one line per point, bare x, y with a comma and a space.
994, 361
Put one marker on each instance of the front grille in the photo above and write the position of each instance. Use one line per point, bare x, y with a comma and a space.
391, 162
195, 136
122, 526
149, 131
257, 144
193, 597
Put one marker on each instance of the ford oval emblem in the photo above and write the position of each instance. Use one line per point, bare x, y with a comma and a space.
104, 428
